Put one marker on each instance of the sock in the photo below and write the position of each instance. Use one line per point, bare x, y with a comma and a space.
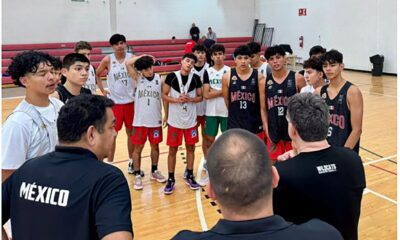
130, 160
153, 168
190, 173
171, 176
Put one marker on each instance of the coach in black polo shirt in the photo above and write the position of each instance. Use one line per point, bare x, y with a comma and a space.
241, 180
322, 181
70, 193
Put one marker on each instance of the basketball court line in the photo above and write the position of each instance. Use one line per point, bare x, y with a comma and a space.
200, 211
371, 161
376, 154
367, 190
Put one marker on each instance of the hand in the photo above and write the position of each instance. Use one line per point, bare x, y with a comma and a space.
164, 121
290, 154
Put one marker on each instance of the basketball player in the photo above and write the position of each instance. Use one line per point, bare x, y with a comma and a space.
314, 74
147, 120
32, 125
240, 88
83, 47
277, 88
75, 70
317, 51
256, 63
216, 111
182, 90
121, 90
345, 104
199, 68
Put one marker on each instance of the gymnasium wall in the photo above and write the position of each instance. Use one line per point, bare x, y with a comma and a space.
34, 21
357, 28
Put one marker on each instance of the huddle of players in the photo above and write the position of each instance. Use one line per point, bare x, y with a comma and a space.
253, 96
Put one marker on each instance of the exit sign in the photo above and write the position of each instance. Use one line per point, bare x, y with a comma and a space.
302, 11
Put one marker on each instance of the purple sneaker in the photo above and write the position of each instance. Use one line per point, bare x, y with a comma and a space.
169, 188
192, 183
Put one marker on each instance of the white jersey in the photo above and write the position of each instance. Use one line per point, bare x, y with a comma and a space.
120, 84
182, 115
148, 102
215, 107
91, 81
264, 69
201, 106
29, 132
307, 89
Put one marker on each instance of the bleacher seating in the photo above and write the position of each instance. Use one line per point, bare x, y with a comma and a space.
167, 51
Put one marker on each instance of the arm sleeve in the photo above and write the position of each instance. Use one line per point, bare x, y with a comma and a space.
168, 80
112, 204
5, 200
14, 135
206, 80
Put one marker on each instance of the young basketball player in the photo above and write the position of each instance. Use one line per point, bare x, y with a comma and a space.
32, 125
57, 65
277, 88
199, 68
314, 74
85, 48
75, 70
121, 90
216, 111
317, 52
256, 63
345, 104
182, 90
240, 88
147, 120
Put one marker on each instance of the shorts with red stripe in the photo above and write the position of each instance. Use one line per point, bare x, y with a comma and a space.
123, 114
274, 150
175, 136
201, 121
140, 134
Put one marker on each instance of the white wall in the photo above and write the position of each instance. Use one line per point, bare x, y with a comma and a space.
38, 21
45, 21
357, 28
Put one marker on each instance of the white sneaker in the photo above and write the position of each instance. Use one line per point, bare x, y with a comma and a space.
157, 175
138, 185
203, 179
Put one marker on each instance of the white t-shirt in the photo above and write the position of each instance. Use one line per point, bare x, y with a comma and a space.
215, 107
91, 81
120, 85
23, 139
307, 89
200, 106
148, 102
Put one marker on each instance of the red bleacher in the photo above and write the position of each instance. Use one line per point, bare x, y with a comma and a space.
165, 50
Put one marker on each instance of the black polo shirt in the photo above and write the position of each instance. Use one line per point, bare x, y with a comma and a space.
66, 194
273, 227
326, 184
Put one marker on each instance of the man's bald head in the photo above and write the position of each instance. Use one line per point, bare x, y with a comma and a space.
239, 169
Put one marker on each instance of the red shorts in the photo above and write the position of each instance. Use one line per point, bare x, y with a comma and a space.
201, 120
175, 135
261, 135
123, 114
139, 135
280, 148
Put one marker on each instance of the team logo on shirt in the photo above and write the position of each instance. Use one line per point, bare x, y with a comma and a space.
290, 83
243, 87
270, 82
340, 99
194, 133
234, 78
280, 91
156, 82
327, 168
156, 134
323, 95
331, 108
253, 81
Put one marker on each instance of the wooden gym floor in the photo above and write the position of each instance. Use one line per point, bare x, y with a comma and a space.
157, 216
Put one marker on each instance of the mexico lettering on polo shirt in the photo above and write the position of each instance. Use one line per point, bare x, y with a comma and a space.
44, 194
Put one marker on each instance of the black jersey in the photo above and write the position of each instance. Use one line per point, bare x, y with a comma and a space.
65, 95
340, 117
277, 96
244, 103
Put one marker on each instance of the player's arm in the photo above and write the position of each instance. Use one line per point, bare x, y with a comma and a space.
165, 106
225, 87
99, 71
208, 92
261, 90
300, 81
133, 73
355, 104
